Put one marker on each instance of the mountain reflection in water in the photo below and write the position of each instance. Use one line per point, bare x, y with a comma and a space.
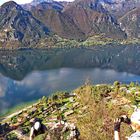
28, 75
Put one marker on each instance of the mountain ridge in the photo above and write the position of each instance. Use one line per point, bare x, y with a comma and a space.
84, 18
18, 25
28, 24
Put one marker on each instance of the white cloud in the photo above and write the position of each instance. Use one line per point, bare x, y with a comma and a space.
25, 1
18, 1
65, 0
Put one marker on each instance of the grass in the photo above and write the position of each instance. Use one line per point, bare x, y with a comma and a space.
99, 119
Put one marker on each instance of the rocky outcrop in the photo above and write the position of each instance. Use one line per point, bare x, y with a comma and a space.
49, 110
130, 23
87, 111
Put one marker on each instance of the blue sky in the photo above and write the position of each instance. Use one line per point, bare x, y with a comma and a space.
25, 1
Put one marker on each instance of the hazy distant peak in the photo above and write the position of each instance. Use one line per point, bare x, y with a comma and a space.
36, 2
9, 3
8, 6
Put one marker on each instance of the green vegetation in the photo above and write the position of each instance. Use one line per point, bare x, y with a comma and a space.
97, 40
11, 136
92, 108
56, 41
101, 40
100, 112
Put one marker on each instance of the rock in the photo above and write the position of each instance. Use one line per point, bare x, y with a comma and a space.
26, 115
121, 101
75, 105
123, 89
19, 120
72, 94
137, 93
114, 101
84, 108
128, 91
63, 108
53, 118
107, 98
71, 99
133, 89
68, 113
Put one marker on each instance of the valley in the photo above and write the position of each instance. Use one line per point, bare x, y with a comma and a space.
51, 24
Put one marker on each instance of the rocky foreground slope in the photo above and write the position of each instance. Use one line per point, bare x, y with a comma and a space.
90, 109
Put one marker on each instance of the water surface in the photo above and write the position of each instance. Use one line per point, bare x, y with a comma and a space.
39, 83
28, 75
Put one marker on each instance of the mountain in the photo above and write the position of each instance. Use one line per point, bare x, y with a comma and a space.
123, 14
19, 27
36, 2
46, 4
126, 13
92, 19
119, 8
77, 20
26, 25
130, 23
58, 22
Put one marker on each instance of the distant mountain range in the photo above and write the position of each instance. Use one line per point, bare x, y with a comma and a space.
36, 2
26, 25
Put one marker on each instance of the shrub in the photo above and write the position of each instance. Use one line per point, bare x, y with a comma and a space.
11, 136
97, 121
14, 119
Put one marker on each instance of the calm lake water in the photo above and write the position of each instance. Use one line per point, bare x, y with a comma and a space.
27, 76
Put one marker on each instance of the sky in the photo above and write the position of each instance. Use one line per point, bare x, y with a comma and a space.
25, 1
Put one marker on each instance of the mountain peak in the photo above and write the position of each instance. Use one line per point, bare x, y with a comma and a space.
10, 5
36, 2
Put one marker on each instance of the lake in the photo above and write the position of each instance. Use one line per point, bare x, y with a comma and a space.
30, 74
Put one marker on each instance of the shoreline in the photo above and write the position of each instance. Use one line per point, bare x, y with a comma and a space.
17, 112
66, 47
